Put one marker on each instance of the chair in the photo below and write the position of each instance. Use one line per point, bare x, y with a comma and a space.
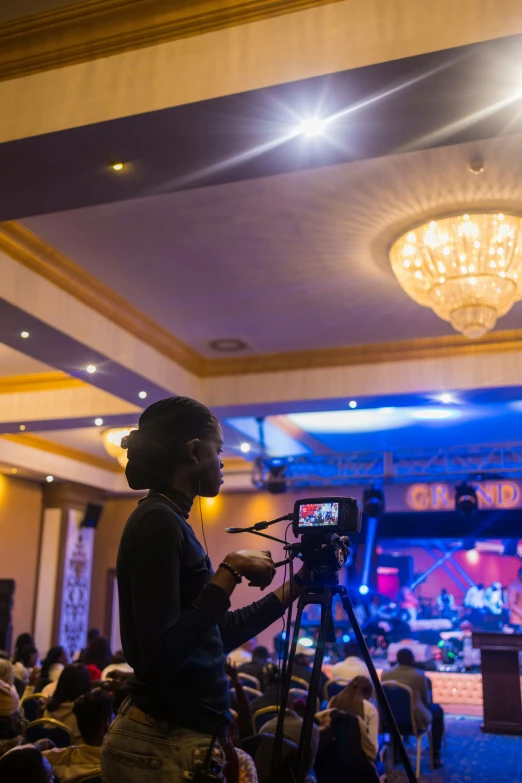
298, 682
402, 703
32, 704
261, 748
249, 679
48, 728
250, 693
333, 687
300, 693
263, 715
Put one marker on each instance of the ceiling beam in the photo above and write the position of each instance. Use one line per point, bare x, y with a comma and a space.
38, 381
50, 447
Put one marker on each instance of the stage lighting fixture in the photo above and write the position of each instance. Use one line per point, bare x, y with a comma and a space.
313, 126
466, 501
364, 589
276, 483
373, 502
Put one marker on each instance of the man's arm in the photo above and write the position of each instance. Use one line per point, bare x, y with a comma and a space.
423, 689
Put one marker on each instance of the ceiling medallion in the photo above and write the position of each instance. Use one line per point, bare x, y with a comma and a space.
464, 267
112, 442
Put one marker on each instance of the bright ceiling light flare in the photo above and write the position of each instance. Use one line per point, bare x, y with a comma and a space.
142, 395
352, 404
466, 268
91, 368
25, 335
312, 126
112, 441
446, 398
434, 414
118, 166
49, 479
245, 447
98, 422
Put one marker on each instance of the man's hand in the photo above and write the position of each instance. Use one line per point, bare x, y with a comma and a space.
231, 670
255, 565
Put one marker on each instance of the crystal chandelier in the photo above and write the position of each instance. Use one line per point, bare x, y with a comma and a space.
112, 442
464, 267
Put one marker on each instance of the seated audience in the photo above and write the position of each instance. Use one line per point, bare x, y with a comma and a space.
260, 658
118, 665
98, 653
292, 725
352, 666
52, 666
303, 670
242, 654
24, 640
421, 652
11, 723
355, 699
25, 764
425, 711
271, 688
24, 660
247, 772
74, 682
341, 757
92, 634
94, 715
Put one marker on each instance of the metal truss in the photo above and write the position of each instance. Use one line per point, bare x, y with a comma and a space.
502, 461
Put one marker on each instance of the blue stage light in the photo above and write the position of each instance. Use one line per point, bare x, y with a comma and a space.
364, 589
346, 638
305, 641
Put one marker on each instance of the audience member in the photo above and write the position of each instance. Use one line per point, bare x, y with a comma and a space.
425, 711
25, 764
247, 772
23, 640
117, 665
11, 724
292, 725
94, 673
94, 715
303, 670
24, 660
355, 699
352, 666
260, 658
98, 653
52, 666
271, 688
242, 654
74, 682
341, 756
92, 634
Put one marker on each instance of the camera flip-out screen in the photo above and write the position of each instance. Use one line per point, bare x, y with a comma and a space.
333, 514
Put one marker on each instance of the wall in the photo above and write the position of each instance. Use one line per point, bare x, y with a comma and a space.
20, 519
227, 510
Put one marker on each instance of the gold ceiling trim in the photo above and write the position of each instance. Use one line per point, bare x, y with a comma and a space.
37, 255
31, 251
101, 28
38, 381
36, 442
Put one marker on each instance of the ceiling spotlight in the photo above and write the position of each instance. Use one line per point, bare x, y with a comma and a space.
373, 502
22, 427
91, 368
14, 470
364, 589
49, 479
466, 501
352, 404
245, 448
313, 126
117, 166
25, 335
98, 422
142, 395
446, 398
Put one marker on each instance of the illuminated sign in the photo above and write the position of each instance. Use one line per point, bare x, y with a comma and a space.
441, 497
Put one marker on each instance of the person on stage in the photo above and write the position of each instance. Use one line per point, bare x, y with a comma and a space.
175, 625
493, 599
408, 603
446, 603
515, 603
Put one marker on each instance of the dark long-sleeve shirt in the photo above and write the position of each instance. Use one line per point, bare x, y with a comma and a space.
175, 626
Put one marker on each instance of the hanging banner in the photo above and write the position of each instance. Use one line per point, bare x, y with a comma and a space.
441, 497
76, 584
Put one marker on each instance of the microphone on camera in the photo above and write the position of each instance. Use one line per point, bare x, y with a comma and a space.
236, 530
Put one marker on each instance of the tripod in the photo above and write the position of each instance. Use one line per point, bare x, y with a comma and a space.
320, 591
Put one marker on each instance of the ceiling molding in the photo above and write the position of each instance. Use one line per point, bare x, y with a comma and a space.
101, 28
38, 381
36, 442
35, 254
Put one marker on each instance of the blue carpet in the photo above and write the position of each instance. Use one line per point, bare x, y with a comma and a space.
471, 756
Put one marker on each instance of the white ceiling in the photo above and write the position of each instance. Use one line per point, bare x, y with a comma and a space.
14, 362
289, 262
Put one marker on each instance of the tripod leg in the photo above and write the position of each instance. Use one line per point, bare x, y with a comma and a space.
381, 696
303, 751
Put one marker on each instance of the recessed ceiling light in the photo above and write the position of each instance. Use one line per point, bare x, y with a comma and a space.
313, 126
25, 335
14, 470
228, 344
245, 448
98, 422
91, 368
49, 479
117, 166
446, 398
22, 427
142, 395
352, 404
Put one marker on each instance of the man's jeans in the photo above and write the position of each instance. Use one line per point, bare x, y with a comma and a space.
139, 749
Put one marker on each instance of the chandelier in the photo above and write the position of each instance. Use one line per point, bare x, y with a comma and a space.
464, 267
112, 442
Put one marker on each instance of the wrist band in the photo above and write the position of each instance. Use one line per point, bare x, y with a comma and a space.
237, 576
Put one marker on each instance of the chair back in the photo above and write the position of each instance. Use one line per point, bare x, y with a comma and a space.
333, 687
401, 700
251, 693
32, 705
263, 715
299, 682
249, 679
48, 728
261, 748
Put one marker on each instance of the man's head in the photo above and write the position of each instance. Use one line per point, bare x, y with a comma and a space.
480, 586
260, 655
178, 444
444, 591
405, 657
94, 714
25, 763
351, 650
92, 633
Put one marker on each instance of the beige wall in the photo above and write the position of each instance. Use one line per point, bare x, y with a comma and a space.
20, 519
228, 510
